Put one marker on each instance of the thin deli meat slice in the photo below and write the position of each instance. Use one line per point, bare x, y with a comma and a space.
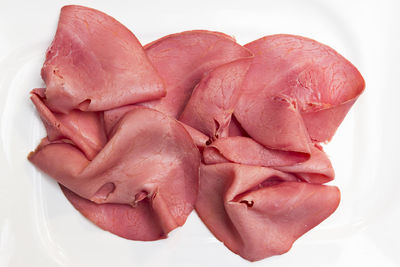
181, 59
113, 116
259, 212
149, 156
213, 101
134, 223
235, 129
273, 121
318, 85
244, 150
138, 137
83, 129
95, 63
316, 168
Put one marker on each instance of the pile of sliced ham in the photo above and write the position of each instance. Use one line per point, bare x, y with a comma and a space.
138, 136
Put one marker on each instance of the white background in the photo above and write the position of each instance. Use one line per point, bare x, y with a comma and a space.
38, 227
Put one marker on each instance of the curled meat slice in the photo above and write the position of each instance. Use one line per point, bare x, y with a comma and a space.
181, 59
135, 223
113, 116
245, 150
149, 156
213, 101
275, 122
315, 168
235, 129
83, 129
259, 212
318, 85
95, 63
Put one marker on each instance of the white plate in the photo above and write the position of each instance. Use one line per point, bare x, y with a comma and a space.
38, 227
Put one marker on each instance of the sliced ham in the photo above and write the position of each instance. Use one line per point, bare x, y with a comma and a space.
316, 84
259, 212
181, 59
245, 150
135, 223
113, 116
83, 129
235, 129
149, 156
256, 114
214, 99
316, 168
95, 63
273, 121
199, 139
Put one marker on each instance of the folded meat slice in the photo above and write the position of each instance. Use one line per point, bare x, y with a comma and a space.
83, 129
134, 223
214, 99
259, 212
113, 116
315, 168
273, 121
181, 59
235, 129
199, 139
149, 156
245, 150
95, 63
317, 84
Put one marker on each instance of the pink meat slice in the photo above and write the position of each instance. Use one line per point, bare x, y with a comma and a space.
316, 168
113, 116
199, 139
181, 59
214, 99
95, 63
220, 34
235, 129
245, 150
259, 212
84, 129
134, 223
149, 156
318, 85
274, 122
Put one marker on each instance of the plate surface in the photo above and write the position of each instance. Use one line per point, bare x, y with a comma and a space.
38, 227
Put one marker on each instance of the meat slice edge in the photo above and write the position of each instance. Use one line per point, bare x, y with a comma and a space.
150, 157
183, 58
95, 63
259, 221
